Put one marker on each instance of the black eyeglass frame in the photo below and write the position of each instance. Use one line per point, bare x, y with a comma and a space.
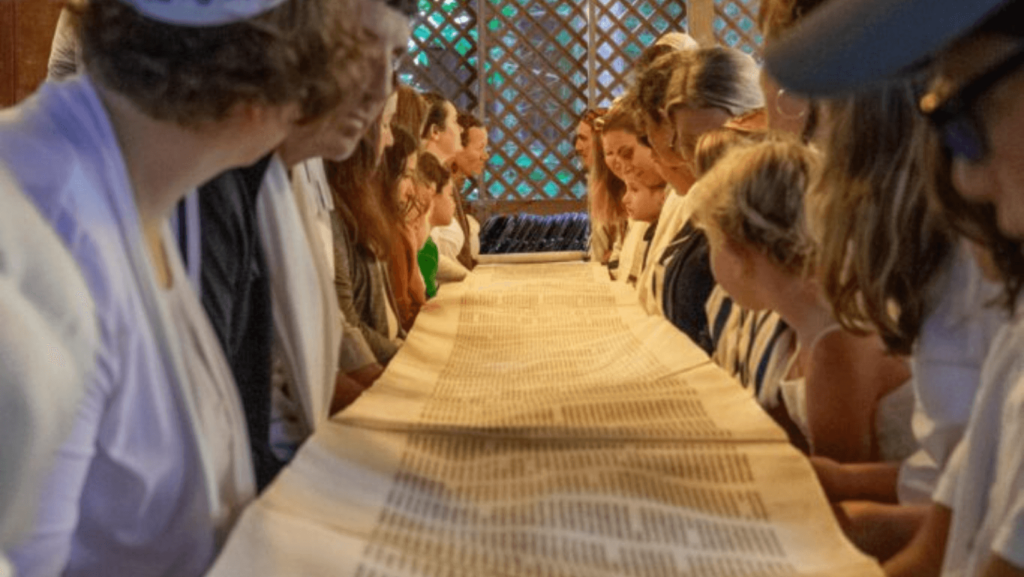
955, 117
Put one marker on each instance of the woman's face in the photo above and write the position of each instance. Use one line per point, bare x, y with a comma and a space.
661, 135
448, 139
690, 124
618, 150
998, 178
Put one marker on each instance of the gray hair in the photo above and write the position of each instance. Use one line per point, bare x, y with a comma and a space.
716, 78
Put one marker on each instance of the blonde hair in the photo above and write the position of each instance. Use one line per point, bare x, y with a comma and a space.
715, 77
755, 197
605, 191
715, 144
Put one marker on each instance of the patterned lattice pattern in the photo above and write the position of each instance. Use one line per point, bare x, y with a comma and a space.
529, 68
736, 25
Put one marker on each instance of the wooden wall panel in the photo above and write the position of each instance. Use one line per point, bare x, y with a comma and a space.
26, 31
7, 66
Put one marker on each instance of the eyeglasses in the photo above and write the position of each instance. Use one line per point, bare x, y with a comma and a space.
955, 116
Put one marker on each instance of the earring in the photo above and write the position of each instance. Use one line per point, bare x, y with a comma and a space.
794, 111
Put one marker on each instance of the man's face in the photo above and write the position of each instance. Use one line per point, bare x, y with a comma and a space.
998, 178
584, 144
473, 157
385, 39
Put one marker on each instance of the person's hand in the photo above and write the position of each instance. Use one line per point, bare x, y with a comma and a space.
831, 476
366, 376
346, 391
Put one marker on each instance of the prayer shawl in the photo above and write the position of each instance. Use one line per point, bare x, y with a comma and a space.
141, 404
305, 312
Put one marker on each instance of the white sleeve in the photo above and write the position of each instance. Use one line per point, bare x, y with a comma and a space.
1008, 542
945, 489
449, 239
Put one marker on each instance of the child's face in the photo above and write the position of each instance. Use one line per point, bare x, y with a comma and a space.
642, 202
642, 167
733, 268
444, 207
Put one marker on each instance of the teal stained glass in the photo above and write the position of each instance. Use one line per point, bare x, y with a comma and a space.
535, 76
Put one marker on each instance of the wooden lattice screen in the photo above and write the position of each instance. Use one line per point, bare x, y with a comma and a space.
529, 68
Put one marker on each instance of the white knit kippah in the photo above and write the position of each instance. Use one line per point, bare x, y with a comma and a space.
199, 13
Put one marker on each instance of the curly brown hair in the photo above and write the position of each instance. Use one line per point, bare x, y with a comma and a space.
303, 51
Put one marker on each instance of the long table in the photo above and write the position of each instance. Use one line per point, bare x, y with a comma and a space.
537, 422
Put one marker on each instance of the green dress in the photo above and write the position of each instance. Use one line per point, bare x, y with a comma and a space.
428, 258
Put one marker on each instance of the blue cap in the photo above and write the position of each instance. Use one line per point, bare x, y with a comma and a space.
846, 45
200, 13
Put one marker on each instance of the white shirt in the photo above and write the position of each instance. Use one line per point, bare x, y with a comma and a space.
449, 239
946, 368
48, 338
628, 257
309, 180
307, 327
984, 480
134, 489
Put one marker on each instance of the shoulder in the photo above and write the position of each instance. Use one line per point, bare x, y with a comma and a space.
849, 357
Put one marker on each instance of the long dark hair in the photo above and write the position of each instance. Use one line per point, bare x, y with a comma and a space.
360, 200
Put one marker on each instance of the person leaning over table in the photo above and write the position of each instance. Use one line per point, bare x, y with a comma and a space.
604, 203
975, 103
882, 243
678, 98
157, 467
265, 276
